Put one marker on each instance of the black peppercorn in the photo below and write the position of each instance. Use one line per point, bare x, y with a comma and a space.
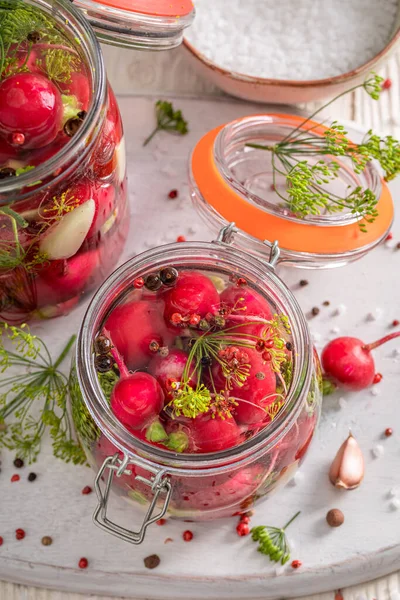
153, 282
72, 125
103, 363
154, 346
32, 476
18, 463
168, 276
7, 172
33, 36
289, 346
315, 311
303, 282
102, 344
206, 361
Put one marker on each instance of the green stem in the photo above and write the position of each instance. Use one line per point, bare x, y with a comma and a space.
153, 133
291, 520
261, 147
65, 351
319, 110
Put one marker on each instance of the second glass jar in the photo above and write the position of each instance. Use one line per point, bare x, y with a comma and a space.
63, 196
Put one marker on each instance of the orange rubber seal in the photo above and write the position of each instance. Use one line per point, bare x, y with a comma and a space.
156, 8
298, 237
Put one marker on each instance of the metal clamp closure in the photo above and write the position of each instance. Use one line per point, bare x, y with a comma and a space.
159, 484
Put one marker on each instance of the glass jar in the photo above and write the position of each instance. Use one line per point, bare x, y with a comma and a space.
63, 195
141, 24
232, 182
193, 486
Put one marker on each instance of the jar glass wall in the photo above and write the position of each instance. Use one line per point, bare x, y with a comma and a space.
205, 485
63, 197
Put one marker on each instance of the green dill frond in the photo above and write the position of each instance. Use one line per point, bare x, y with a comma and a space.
34, 400
168, 119
306, 160
272, 541
191, 402
59, 64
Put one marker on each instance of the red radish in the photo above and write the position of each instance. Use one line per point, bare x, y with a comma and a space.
207, 434
193, 294
133, 326
295, 443
245, 301
243, 304
253, 395
78, 86
349, 362
31, 107
169, 369
42, 155
221, 491
8, 153
64, 279
136, 400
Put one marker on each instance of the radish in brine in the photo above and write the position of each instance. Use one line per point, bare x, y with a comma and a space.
251, 381
61, 280
78, 86
222, 490
134, 326
241, 304
349, 363
207, 433
193, 294
30, 110
168, 370
137, 400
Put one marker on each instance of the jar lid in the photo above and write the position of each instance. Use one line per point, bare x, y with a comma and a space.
232, 182
142, 24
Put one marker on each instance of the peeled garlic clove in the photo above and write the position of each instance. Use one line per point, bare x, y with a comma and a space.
120, 155
64, 238
347, 469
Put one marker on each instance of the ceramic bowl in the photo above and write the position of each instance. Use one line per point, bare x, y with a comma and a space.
285, 91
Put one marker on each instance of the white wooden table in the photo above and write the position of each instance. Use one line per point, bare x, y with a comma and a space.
168, 73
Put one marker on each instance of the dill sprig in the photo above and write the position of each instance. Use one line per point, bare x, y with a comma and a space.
12, 253
36, 397
227, 347
168, 119
272, 541
306, 159
59, 64
17, 20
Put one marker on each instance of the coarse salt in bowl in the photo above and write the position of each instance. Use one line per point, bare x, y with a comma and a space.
285, 52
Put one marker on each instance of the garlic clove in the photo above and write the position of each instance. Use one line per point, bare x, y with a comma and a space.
64, 238
120, 154
347, 468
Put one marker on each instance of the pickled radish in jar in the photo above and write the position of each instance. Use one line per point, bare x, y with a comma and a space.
68, 220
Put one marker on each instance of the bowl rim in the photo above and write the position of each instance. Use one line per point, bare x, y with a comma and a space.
287, 83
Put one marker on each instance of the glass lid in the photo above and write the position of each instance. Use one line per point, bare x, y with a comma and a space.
141, 24
233, 180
